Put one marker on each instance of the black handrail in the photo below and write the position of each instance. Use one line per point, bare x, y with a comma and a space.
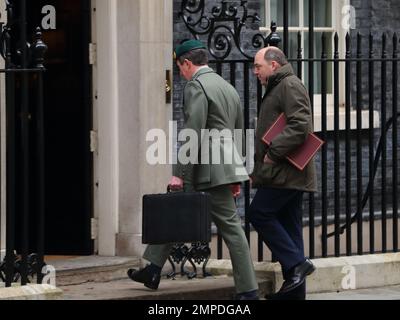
367, 193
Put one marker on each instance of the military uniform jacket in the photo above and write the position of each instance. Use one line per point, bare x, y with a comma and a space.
213, 104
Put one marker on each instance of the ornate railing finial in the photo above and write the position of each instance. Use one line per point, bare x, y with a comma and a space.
273, 39
39, 49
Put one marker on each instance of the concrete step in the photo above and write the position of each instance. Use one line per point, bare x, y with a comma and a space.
209, 288
104, 278
80, 270
332, 274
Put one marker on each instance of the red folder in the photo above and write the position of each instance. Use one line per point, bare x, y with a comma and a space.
301, 156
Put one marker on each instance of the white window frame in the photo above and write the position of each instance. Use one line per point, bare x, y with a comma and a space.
337, 26
336, 13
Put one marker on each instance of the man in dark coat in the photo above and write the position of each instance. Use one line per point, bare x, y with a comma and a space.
276, 210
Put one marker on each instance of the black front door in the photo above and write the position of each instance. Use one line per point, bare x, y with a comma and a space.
68, 116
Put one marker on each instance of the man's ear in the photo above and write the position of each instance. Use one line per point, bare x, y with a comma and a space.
275, 65
189, 63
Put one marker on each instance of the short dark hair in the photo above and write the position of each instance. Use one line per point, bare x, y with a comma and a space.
199, 57
275, 54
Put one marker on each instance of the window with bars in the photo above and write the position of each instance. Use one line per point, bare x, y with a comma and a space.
324, 19
327, 19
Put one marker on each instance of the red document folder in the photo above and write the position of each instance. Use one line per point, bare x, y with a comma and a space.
301, 156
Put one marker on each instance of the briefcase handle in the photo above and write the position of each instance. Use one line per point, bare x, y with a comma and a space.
169, 190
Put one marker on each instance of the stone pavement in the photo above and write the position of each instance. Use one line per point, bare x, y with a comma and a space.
213, 288
104, 278
210, 288
385, 293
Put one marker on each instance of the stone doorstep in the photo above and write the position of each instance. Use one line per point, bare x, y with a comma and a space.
332, 274
220, 289
30, 292
73, 271
182, 288
92, 269
104, 278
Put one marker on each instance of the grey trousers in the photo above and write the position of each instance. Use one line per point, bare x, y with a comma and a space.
223, 213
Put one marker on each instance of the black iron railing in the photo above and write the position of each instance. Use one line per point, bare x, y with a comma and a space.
24, 70
356, 166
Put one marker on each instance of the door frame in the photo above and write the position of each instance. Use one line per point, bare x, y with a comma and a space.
88, 89
3, 19
88, 247
105, 126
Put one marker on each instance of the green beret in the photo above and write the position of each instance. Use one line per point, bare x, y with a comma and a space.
187, 46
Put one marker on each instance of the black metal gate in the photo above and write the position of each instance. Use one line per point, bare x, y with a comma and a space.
24, 70
355, 159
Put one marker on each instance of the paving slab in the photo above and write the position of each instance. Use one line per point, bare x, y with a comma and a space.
209, 288
383, 293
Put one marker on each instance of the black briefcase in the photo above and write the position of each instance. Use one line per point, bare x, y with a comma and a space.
176, 217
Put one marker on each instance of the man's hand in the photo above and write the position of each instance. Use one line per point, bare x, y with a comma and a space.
235, 188
176, 184
267, 160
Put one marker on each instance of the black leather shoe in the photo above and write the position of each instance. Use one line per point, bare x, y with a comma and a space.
298, 293
151, 280
297, 276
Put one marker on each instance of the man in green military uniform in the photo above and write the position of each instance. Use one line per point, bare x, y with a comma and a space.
210, 103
